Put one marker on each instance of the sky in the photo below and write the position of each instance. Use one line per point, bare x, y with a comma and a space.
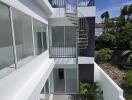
113, 6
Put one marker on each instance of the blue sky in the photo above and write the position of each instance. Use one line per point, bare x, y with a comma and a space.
113, 6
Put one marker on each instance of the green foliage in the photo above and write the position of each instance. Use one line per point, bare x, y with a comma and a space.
104, 55
124, 10
120, 21
105, 15
127, 84
128, 25
105, 41
88, 90
128, 55
130, 9
123, 39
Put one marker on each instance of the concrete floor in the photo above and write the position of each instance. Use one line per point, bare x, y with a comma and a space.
65, 97
60, 86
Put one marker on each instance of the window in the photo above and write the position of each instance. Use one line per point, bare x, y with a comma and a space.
70, 36
39, 37
63, 41
6, 47
58, 36
44, 37
23, 36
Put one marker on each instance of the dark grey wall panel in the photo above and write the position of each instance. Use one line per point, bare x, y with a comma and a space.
86, 72
91, 41
89, 51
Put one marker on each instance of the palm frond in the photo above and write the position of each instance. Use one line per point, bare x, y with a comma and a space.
126, 52
129, 59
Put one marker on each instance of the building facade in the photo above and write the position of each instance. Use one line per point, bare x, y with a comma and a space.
47, 48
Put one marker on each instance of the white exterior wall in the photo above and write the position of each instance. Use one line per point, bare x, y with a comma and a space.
85, 60
111, 91
27, 82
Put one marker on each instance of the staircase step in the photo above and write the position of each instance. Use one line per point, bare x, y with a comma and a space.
81, 30
83, 38
84, 41
77, 27
83, 35
72, 19
71, 13
74, 23
82, 48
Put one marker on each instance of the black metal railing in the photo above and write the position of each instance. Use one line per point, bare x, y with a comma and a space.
70, 7
85, 3
80, 3
62, 51
57, 3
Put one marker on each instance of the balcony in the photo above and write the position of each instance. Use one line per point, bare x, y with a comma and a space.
62, 43
80, 3
62, 51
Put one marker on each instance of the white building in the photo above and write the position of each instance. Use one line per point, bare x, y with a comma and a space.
47, 48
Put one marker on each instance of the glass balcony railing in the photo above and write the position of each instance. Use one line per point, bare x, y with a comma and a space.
21, 39
80, 3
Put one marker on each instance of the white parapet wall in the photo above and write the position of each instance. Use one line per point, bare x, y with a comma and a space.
89, 11
111, 91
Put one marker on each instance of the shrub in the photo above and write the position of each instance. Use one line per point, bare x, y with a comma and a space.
123, 39
105, 41
104, 55
88, 90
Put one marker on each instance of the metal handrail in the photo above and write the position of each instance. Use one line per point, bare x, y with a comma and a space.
61, 3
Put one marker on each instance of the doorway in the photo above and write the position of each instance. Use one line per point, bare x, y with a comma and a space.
61, 73
59, 81
65, 81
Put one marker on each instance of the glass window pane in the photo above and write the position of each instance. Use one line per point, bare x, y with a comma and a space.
51, 79
39, 37
23, 36
71, 80
70, 36
59, 80
58, 36
44, 37
44, 95
6, 47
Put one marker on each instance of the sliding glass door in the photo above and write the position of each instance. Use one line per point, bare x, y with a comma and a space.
71, 80
59, 81
65, 80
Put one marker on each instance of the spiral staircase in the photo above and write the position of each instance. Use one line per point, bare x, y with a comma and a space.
81, 24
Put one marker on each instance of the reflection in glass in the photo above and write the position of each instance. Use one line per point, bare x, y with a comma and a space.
39, 37
23, 36
44, 95
71, 80
6, 47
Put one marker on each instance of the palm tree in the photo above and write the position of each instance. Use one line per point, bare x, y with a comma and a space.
105, 17
130, 10
124, 11
102, 16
